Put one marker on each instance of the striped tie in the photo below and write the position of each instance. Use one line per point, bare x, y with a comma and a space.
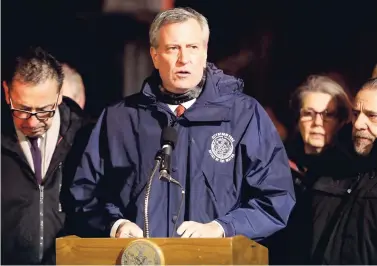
180, 110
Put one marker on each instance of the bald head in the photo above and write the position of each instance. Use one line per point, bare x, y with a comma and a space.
73, 85
374, 73
371, 84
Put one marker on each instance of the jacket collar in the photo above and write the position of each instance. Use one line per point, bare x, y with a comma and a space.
345, 143
214, 103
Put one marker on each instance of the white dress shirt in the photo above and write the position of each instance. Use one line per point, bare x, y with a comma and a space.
46, 143
186, 105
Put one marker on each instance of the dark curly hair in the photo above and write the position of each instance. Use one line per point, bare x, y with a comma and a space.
33, 65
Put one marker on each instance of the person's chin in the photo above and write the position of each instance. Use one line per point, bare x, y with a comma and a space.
179, 90
317, 143
36, 133
362, 150
184, 85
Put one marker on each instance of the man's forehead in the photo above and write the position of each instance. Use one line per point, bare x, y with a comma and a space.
46, 86
192, 23
181, 31
33, 105
33, 96
367, 99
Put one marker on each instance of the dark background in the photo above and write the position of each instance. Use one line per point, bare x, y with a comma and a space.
307, 37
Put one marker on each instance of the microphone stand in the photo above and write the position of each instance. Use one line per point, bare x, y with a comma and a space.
157, 164
180, 205
166, 177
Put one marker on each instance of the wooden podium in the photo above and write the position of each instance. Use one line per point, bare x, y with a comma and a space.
72, 250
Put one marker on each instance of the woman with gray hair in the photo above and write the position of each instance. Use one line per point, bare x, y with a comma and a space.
321, 107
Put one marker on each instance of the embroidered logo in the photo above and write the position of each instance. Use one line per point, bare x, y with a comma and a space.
222, 147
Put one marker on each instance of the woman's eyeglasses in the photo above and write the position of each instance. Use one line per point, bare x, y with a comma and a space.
310, 115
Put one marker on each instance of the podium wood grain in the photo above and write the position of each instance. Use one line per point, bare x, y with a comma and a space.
73, 250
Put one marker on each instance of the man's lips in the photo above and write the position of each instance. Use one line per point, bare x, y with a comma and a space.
183, 72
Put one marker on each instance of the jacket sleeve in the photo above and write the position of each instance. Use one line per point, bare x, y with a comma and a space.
91, 189
267, 196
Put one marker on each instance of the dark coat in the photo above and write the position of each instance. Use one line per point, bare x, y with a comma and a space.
292, 245
344, 209
228, 157
32, 216
335, 217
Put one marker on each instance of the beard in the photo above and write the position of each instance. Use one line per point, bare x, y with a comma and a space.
363, 142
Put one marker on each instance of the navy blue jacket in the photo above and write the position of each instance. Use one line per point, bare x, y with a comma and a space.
228, 157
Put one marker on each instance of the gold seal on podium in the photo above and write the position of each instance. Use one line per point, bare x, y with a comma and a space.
142, 252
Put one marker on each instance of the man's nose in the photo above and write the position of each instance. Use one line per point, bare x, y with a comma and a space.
184, 56
32, 121
360, 122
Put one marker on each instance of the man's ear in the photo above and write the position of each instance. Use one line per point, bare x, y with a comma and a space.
205, 54
6, 91
60, 98
154, 56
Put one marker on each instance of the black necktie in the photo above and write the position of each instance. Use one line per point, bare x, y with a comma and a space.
37, 159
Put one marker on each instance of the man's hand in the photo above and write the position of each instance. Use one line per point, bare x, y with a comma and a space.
129, 230
192, 229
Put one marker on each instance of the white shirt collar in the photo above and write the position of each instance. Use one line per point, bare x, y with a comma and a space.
186, 105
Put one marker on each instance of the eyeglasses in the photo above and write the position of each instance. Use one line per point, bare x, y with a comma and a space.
310, 115
40, 115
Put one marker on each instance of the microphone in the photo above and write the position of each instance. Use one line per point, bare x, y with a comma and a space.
169, 139
162, 160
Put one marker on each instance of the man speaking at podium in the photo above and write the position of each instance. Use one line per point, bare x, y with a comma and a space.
227, 156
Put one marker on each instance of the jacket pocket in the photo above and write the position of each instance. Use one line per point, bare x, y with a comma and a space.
131, 188
222, 190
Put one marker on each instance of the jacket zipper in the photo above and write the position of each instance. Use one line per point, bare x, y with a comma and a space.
41, 220
41, 213
172, 119
60, 185
354, 184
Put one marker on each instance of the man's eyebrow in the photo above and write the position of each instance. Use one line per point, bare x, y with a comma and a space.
21, 106
44, 107
370, 112
178, 45
24, 107
366, 111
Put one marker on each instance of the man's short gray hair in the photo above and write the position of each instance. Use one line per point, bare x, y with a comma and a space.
176, 15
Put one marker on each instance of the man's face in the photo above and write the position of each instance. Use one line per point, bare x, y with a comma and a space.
181, 55
364, 120
32, 98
